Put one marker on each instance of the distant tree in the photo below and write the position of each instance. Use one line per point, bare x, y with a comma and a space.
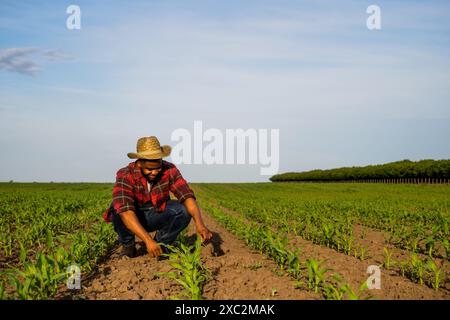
394, 170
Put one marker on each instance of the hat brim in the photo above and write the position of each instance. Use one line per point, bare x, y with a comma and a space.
164, 152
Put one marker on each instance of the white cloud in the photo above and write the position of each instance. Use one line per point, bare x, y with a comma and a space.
25, 60
328, 84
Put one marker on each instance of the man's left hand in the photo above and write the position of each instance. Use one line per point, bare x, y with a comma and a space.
204, 233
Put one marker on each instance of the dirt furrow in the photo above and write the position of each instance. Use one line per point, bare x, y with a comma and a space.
354, 271
237, 273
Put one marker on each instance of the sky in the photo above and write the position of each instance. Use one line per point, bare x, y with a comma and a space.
74, 102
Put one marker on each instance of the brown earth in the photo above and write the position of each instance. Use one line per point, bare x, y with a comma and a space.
375, 241
354, 271
240, 273
237, 273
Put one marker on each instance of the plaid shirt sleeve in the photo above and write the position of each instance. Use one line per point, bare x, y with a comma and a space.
123, 198
179, 187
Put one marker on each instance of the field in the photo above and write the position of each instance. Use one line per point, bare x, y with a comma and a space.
271, 241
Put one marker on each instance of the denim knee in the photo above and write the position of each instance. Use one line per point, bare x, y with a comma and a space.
176, 220
179, 210
125, 236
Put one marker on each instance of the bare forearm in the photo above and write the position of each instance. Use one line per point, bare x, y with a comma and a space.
192, 208
194, 211
132, 223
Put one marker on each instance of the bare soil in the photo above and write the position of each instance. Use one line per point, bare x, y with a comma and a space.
237, 273
354, 271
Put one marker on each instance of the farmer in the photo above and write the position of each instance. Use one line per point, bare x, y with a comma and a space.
141, 201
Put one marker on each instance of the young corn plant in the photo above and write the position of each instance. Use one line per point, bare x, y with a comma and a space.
430, 245
294, 267
274, 292
334, 290
80, 248
316, 274
417, 268
2, 291
279, 251
446, 245
255, 266
8, 246
404, 268
415, 244
22, 253
189, 272
437, 274
387, 258
360, 253
347, 242
351, 294
328, 234
38, 280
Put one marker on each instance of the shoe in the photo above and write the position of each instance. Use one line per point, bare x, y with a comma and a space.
161, 258
129, 251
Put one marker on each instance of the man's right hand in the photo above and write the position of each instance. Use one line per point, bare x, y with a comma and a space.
132, 223
153, 248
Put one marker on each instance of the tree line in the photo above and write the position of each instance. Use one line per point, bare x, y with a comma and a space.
405, 171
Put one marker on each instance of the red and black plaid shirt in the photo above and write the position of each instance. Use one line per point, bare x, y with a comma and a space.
131, 189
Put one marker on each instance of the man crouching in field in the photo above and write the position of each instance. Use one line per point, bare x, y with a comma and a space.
141, 201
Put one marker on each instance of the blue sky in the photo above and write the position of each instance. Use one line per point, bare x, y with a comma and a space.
340, 94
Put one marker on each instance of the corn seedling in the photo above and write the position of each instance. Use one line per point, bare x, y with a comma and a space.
415, 244
8, 246
334, 290
255, 266
436, 274
360, 253
38, 280
363, 234
274, 292
430, 245
2, 291
347, 244
316, 274
294, 266
387, 258
446, 245
417, 268
404, 267
351, 294
190, 272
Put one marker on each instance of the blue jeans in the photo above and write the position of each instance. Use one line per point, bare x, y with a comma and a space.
168, 223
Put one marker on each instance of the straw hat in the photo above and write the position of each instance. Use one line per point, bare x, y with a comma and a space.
150, 149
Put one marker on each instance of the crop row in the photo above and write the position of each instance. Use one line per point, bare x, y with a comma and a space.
326, 214
44, 230
309, 274
323, 223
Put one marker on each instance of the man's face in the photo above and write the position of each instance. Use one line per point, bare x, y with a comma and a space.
150, 168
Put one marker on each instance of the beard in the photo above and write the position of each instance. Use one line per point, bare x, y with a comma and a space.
150, 179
